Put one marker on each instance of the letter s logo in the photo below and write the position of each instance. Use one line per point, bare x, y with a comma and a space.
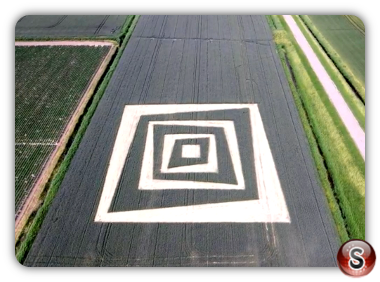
356, 261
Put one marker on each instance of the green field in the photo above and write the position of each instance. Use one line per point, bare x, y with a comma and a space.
339, 164
353, 101
49, 84
343, 38
356, 22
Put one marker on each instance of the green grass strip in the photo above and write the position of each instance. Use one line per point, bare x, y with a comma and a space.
340, 167
318, 159
338, 61
126, 26
270, 22
277, 23
354, 103
343, 160
58, 177
282, 43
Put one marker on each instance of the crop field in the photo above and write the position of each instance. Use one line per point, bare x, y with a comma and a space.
50, 83
199, 76
357, 22
70, 26
343, 38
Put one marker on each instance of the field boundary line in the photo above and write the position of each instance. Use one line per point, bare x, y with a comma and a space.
355, 24
345, 113
32, 201
35, 144
65, 43
57, 178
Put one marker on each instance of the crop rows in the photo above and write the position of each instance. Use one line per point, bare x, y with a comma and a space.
29, 159
45, 26
177, 67
49, 84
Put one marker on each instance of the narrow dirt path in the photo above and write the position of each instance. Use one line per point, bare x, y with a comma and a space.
349, 120
64, 43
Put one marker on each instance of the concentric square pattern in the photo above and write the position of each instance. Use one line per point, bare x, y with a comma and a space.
147, 179
209, 147
184, 153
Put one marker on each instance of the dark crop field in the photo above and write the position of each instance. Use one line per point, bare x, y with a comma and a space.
36, 26
175, 62
49, 84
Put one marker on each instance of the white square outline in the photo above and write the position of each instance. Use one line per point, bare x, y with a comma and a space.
212, 159
270, 207
147, 182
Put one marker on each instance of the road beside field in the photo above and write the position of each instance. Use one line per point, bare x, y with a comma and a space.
335, 96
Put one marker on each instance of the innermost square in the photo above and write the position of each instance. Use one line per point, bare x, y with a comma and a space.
191, 151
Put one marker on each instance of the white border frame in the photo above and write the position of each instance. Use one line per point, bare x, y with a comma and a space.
270, 207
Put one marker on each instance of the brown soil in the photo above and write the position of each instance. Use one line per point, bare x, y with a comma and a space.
64, 43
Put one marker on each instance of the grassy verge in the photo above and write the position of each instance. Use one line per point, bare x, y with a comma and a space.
355, 104
57, 178
340, 166
356, 84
